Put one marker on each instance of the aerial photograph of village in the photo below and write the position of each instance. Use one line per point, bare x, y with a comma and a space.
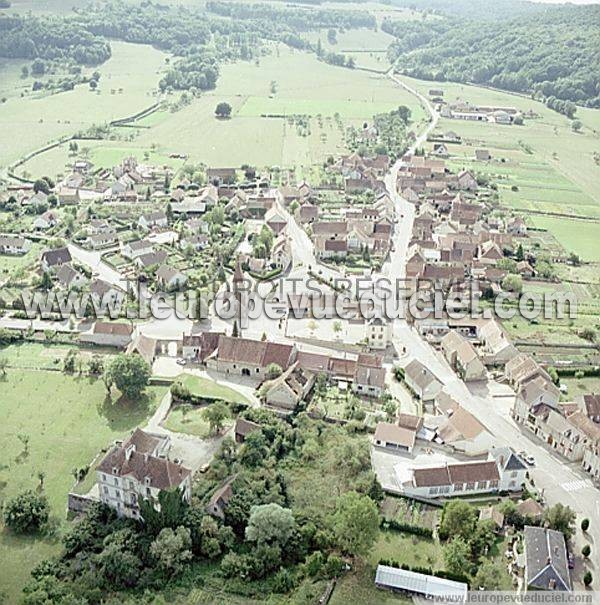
299, 302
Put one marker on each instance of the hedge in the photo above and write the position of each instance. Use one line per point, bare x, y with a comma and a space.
408, 528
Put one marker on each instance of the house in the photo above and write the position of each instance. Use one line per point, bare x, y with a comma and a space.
307, 213
546, 559
145, 347
53, 260
464, 433
69, 278
369, 381
440, 150
289, 389
68, 196
531, 510
136, 248
378, 333
154, 219
219, 176
591, 404
421, 381
275, 220
251, 358
12, 245
46, 221
218, 502
196, 242
517, 226
496, 348
101, 240
137, 470
102, 290
525, 269
462, 357
95, 226
243, 428
394, 437
513, 470
108, 334
169, 278
449, 480
466, 181
281, 254
421, 585
483, 155
151, 259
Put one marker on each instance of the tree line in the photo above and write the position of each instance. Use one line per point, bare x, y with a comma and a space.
553, 53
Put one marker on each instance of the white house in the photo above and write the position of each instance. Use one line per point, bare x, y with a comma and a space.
14, 245
153, 219
422, 381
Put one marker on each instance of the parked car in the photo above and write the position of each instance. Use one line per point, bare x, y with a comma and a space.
180, 361
528, 459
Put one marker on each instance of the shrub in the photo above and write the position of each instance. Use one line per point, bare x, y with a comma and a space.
588, 578
26, 513
586, 550
407, 528
585, 524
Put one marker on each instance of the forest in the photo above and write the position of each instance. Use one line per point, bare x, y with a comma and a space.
554, 53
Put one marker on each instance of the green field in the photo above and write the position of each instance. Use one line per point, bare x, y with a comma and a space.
68, 421
574, 235
127, 82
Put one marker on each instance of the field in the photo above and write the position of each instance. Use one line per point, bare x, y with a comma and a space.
313, 104
127, 82
68, 421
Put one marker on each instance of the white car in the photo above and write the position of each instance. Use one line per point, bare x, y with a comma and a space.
180, 361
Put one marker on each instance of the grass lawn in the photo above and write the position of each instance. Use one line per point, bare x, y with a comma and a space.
68, 421
581, 386
189, 419
414, 551
210, 389
12, 266
576, 236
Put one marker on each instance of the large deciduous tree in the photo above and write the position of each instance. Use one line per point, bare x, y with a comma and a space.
355, 523
129, 373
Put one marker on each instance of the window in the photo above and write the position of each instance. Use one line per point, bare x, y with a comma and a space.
470, 486
131, 486
103, 477
117, 493
105, 489
513, 474
148, 492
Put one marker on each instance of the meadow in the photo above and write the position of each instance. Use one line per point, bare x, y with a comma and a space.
127, 84
66, 421
311, 107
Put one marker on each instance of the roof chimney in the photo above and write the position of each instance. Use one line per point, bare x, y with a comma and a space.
129, 451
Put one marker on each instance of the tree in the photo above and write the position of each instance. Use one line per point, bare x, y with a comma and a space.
216, 414
119, 566
223, 110
520, 253
129, 373
585, 524
95, 365
270, 524
561, 518
488, 576
458, 519
576, 125
274, 370
587, 578
172, 550
355, 523
41, 185
586, 550
513, 283
456, 556
26, 513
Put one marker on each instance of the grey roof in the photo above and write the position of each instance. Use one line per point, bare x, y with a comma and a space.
57, 257
509, 461
546, 559
419, 583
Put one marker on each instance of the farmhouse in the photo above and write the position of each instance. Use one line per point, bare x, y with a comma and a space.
249, 357
289, 389
109, 334
137, 470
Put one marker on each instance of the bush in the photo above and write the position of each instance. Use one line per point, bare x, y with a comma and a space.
586, 550
588, 578
585, 524
26, 513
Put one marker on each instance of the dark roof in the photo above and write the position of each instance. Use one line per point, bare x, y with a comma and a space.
57, 257
547, 565
142, 464
245, 427
113, 328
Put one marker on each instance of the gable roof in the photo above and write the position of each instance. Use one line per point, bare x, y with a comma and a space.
57, 257
254, 352
547, 565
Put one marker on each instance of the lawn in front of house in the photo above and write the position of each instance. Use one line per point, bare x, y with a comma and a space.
209, 389
189, 419
65, 421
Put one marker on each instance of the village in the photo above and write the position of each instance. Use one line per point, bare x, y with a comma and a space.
103, 231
